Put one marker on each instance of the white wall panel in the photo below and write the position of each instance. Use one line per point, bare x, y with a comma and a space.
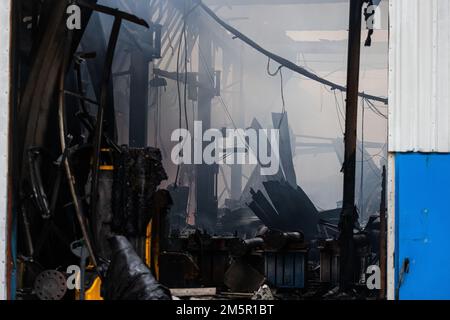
419, 69
5, 30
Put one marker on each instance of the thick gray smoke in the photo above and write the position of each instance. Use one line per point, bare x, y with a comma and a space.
313, 36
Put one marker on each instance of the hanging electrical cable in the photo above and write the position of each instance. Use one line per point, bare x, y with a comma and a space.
339, 113
375, 110
361, 190
180, 103
224, 105
185, 74
341, 107
283, 101
377, 155
180, 107
211, 78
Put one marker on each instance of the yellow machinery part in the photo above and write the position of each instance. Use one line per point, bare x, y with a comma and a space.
148, 245
106, 168
152, 248
151, 252
93, 293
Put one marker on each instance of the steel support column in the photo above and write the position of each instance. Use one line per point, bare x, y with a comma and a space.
239, 117
139, 78
349, 215
206, 196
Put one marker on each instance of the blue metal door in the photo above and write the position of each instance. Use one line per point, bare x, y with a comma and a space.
422, 226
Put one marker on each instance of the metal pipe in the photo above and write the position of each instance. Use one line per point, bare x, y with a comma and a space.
68, 170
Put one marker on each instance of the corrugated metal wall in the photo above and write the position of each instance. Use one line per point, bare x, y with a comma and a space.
419, 145
419, 70
423, 221
5, 29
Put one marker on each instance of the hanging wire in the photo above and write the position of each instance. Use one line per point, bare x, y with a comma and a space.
178, 79
180, 104
377, 154
342, 106
222, 101
375, 172
185, 74
374, 109
211, 76
283, 102
339, 112
342, 100
361, 191
170, 44
273, 74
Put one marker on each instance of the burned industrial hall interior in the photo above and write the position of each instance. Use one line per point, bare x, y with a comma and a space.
187, 149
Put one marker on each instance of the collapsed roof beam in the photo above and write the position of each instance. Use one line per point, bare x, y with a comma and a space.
282, 61
270, 2
114, 12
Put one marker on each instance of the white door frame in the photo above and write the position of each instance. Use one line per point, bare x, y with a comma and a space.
5, 82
